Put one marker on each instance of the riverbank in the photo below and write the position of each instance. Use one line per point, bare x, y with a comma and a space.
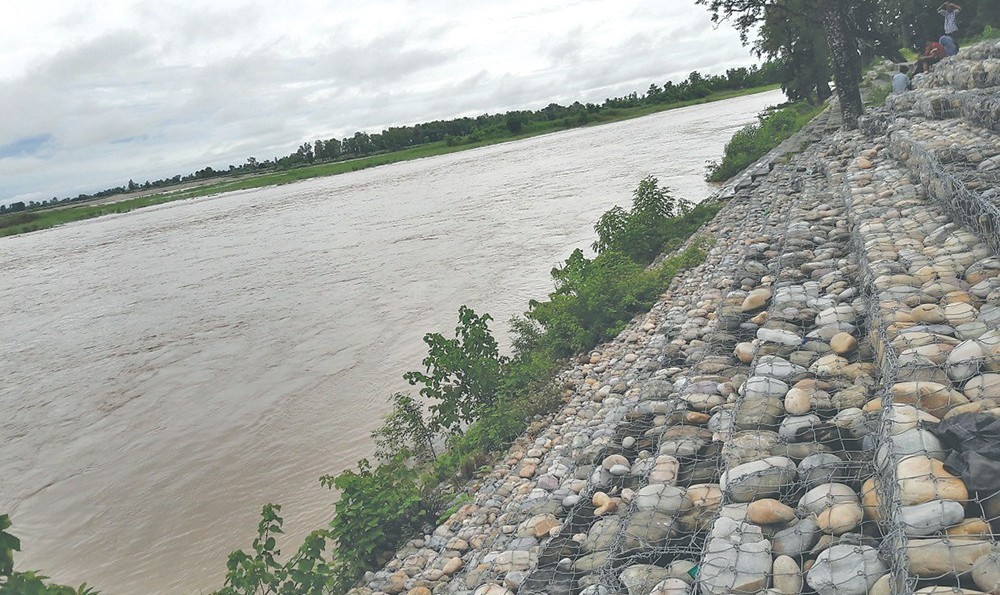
34, 220
761, 426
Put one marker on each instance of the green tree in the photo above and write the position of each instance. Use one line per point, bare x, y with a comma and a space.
839, 21
462, 374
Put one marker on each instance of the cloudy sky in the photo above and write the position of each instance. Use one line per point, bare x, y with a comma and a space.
95, 92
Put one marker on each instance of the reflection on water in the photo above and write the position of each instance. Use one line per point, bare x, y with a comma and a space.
168, 371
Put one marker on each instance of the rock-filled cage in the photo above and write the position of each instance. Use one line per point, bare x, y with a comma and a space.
814, 409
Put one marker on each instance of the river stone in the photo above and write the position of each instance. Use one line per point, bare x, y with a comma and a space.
922, 479
649, 529
959, 313
662, 497
965, 360
786, 576
982, 387
612, 460
756, 413
764, 387
798, 401
852, 396
845, 570
758, 479
601, 535
729, 567
791, 426
768, 511
840, 518
928, 313
931, 558
822, 468
773, 366
665, 470
671, 586
821, 497
841, 313
592, 562
901, 418
986, 572
915, 441
781, 337
755, 300
797, 539
640, 579
843, 343
829, 366
932, 397
930, 517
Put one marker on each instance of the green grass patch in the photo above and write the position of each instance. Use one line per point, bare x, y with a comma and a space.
753, 141
988, 33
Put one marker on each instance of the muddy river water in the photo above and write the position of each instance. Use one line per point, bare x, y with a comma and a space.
166, 372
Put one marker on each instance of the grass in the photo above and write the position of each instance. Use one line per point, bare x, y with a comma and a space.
753, 141
988, 33
23, 222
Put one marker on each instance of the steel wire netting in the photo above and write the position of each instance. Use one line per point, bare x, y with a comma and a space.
804, 439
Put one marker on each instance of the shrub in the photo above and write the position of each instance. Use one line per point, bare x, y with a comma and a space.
462, 373
378, 509
753, 141
261, 573
30, 582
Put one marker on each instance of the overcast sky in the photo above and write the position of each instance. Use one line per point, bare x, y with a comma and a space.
93, 93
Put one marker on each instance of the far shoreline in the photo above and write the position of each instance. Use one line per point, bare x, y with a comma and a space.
46, 218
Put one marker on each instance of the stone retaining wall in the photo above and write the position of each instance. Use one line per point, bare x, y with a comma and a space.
774, 424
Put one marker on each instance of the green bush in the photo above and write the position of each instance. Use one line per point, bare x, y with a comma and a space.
379, 508
753, 141
261, 573
480, 400
30, 582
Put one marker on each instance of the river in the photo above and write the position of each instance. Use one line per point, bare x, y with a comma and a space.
167, 371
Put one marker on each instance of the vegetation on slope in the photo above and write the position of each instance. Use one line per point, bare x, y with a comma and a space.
753, 141
473, 402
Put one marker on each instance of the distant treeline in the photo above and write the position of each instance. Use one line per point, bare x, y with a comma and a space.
458, 131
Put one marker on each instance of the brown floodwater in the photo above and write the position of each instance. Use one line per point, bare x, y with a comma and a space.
168, 371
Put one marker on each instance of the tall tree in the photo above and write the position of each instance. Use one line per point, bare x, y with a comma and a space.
835, 17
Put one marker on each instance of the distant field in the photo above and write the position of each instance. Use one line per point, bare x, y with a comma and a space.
33, 220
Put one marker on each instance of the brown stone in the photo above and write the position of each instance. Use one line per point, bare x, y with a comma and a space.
843, 343
840, 518
932, 558
768, 511
922, 479
936, 399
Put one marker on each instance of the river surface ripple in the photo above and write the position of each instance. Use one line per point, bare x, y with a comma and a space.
168, 371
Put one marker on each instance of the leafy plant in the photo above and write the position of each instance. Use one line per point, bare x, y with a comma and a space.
404, 430
639, 233
753, 141
462, 373
378, 509
260, 573
30, 582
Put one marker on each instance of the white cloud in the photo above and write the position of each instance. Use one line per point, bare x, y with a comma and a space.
129, 89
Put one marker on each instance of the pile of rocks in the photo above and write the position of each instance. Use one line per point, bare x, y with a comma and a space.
794, 415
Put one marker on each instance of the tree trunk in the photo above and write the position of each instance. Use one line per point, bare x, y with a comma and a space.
846, 60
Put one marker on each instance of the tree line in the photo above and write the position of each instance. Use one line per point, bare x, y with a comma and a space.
820, 40
454, 132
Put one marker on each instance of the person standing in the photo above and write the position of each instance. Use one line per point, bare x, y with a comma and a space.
950, 10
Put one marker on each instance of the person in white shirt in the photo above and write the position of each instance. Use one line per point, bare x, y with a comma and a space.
901, 82
949, 10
